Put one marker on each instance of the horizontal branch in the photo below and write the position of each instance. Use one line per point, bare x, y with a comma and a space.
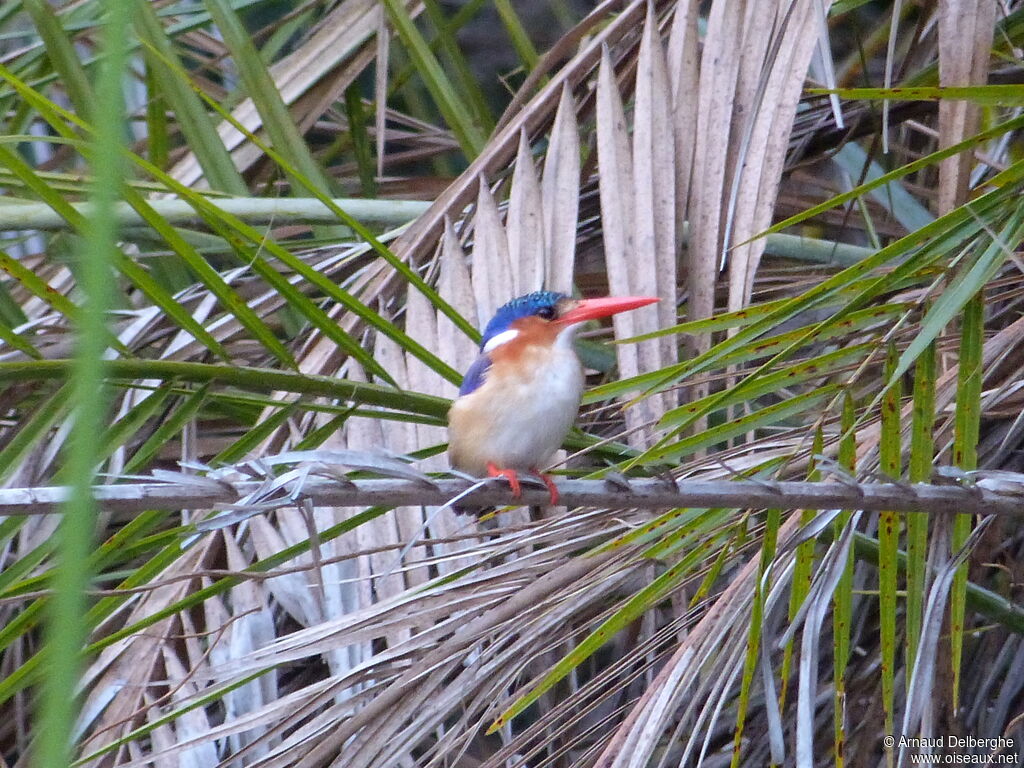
255, 210
197, 492
30, 215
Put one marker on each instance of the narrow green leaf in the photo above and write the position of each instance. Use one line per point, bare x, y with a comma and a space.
61, 52
167, 429
987, 603
175, 86
174, 311
61, 120
362, 147
892, 196
803, 570
966, 283
45, 192
455, 112
955, 225
66, 631
890, 453
769, 541
212, 696
120, 433
771, 383
912, 167
986, 95
967, 420
769, 415
38, 287
213, 280
31, 669
25, 564
517, 34
261, 88
17, 341
260, 432
410, 274
467, 83
158, 139
922, 449
254, 379
32, 427
842, 598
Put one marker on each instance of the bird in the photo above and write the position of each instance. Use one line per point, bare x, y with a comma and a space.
521, 396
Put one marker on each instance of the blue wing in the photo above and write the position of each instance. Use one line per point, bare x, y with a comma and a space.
475, 375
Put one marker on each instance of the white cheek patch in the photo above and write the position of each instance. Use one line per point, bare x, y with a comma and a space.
502, 338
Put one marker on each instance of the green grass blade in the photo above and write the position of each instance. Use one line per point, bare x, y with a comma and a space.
17, 341
61, 52
454, 110
842, 598
904, 170
985, 95
58, 118
803, 571
967, 283
922, 449
231, 227
953, 226
66, 633
168, 427
13, 162
252, 379
260, 432
468, 83
410, 274
261, 88
892, 196
32, 428
183, 318
967, 420
38, 287
362, 146
213, 280
932, 242
773, 382
517, 34
769, 415
175, 86
888, 537
770, 538
158, 138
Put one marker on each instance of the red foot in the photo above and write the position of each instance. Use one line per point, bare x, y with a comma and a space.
508, 474
552, 488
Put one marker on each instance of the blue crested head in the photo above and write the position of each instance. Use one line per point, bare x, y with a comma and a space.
541, 303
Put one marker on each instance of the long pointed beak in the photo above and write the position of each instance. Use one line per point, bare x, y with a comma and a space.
591, 309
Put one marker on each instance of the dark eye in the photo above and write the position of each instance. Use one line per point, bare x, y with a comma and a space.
548, 313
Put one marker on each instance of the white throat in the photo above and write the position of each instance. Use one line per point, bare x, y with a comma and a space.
567, 336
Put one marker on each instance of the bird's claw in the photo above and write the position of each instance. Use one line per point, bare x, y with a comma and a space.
552, 488
513, 481
509, 474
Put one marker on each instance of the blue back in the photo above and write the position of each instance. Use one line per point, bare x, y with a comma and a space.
475, 375
523, 306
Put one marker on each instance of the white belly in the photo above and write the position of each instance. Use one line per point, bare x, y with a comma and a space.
517, 422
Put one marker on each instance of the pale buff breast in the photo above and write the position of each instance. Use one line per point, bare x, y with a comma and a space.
520, 415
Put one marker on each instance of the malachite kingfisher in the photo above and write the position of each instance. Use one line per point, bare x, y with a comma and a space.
521, 396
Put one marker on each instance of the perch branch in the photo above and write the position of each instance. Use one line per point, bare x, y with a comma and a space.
197, 492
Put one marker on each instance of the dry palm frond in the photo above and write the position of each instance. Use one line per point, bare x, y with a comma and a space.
642, 155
